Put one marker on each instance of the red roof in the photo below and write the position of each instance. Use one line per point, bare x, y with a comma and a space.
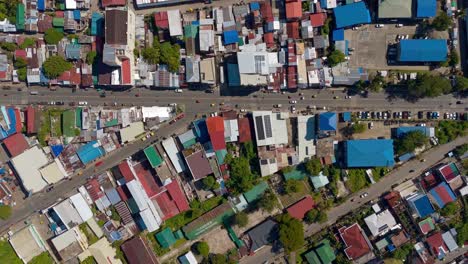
448, 172
19, 124
175, 191
123, 193
73, 76
147, 180
318, 19
172, 201
429, 181
59, 13
293, 30
443, 191
393, 198
16, 144
160, 20
356, 244
268, 38
105, 3
21, 53
30, 118
300, 209
293, 9
292, 81
215, 127
3, 74
436, 244
244, 130
126, 74
94, 189
167, 205
127, 173
266, 11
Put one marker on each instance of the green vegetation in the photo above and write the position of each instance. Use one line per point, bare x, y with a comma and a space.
268, 201
52, 36
202, 248
241, 219
43, 258
220, 259
409, 142
89, 260
358, 128
313, 166
118, 251
50, 124
5, 212
335, 57
8, 46
377, 84
28, 43
450, 209
356, 180
7, 254
164, 53
461, 84
54, 66
22, 74
447, 131
426, 85
326, 27
241, 177
305, 6
453, 58
92, 238
90, 57
21, 66
115, 216
291, 233
8, 10
460, 150
316, 216
151, 55
293, 186
403, 252
379, 172
442, 22
210, 183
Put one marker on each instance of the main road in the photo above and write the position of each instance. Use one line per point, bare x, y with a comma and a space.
402, 173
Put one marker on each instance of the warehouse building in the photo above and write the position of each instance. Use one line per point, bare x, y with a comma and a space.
422, 50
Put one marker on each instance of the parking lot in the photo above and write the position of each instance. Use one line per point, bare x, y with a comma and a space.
370, 46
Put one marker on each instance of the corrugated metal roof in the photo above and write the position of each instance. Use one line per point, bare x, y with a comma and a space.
352, 14
369, 153
153, 156
426, 8
256, 192
422, 50
300, 208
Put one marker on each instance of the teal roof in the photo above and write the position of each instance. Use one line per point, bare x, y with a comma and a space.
312, 258
221, 155
191, 31
73, 51
365, 153
165, 238
325, 252
319, 181
256, 192
297, 173
153, 156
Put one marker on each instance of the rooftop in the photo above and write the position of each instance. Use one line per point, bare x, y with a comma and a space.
369, 153
422, 50
300, 208
355, 241
351, 14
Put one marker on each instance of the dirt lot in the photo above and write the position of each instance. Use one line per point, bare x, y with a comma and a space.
218, 240
370, 46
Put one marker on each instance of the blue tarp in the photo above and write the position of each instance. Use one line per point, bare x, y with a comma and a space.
347, 116
233, 74
352, 14
41, 5
90, 152
426, 8
201, 131
338, 34
254, 6
365, 153
2, 170
422, 50
56, 149
230, 37
76, 14
327, 121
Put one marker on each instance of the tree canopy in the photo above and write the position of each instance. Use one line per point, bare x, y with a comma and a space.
316, 216
202, 248
313, 166
90, 57
293, 186
427, 85
8, 46
450, 209
358, 128
241, 219
461, 84
291, 233
5, 212
441, 22
20, 63
377, 83
268, 201
53, 36
54, 66
403, 252
28, 43
409, 142
453, 58
210, 183
170, 55
241, 177
336, 57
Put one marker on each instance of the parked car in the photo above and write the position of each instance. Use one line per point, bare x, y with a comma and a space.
379, 25
293, 102
399, 25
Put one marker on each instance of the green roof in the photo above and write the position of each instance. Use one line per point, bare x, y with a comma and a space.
78, 113
112, 122
381, 244
178, 234
165, 238
256, 192
153, 157
190, 31
132, 205
58, 21
221, 155
325, 252
297, 173
68, 123
319, 181
208, 221
20, 16
312, 258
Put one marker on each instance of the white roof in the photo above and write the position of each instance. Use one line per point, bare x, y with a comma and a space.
449, 241
64, 240
380, 223
27, 243
27, 165
138, 194
164, 112
464, 191
175, 24
306, 142
231, 130
174, 154
70, 4
149, 220
312, 77
81, 206
270, 128
68, 214
52, 173
188, 257
257, 62
130, 133
206, 38
301, 72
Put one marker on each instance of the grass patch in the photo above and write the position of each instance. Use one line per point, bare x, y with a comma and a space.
92, 238
357, 180
51, 125
288, 199
43, 258
449, 130
378, 173
7, 254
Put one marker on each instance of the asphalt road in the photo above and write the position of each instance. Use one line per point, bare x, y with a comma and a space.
146, 97
399, 175
40, 201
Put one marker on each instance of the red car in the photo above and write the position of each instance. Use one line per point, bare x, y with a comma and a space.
99, 163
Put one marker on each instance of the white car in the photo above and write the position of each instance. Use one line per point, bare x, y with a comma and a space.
243, 110
293, 109
379, 25
293, 102
399, 25
178, 90
82, 103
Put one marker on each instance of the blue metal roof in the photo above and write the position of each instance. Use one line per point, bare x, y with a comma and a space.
400, 131
369, 153
76, 14
327, 121
233, 74
41, 5
201, 131
230, 37
90, 152
352, 14
421, 205
422, 50
426, 8
56, 149
406, 156
254, 6
347, 116
97, 24
338, 34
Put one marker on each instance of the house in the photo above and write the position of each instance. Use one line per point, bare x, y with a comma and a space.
389, 9
175, 157
138, 251
319, 181
381, 223
426, 8
449, 172
327, 4
188, 258
208, 71
422, 50
306, 136
112, 3
322, 254
149, 215
442, 194
215, 127
208, 221
299, 209
426, 225
73, 51
420, 205
293, 9
255, 66
356, 242
175, 23
192, 69
437, 246
15, 144
27, 166
369, 153
197, 162
351, 14
119, 45
317, 19
27, 243
161, 20
449, 238
165, 238
69, 244
102, 252
270, 128
244, 130
5, 68
327, 122
263, 234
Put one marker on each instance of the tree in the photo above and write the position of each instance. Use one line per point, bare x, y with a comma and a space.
53, 36
8, 46
20, 63
427, 85
241, 219
316, 216
151, 55
268, 201
442, 22
5, 212
460, 150
453, 58
461, 84
291, 233
210, 183
248, 151
403, 252
241, 177
90, 57
326, 27
462, 233
218, 259
54, 66
336, 57
202, 248
170, 55
22, 73
293, 186
450, 209
358, 128
28, 43
377, 83
313, 166
409, 142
